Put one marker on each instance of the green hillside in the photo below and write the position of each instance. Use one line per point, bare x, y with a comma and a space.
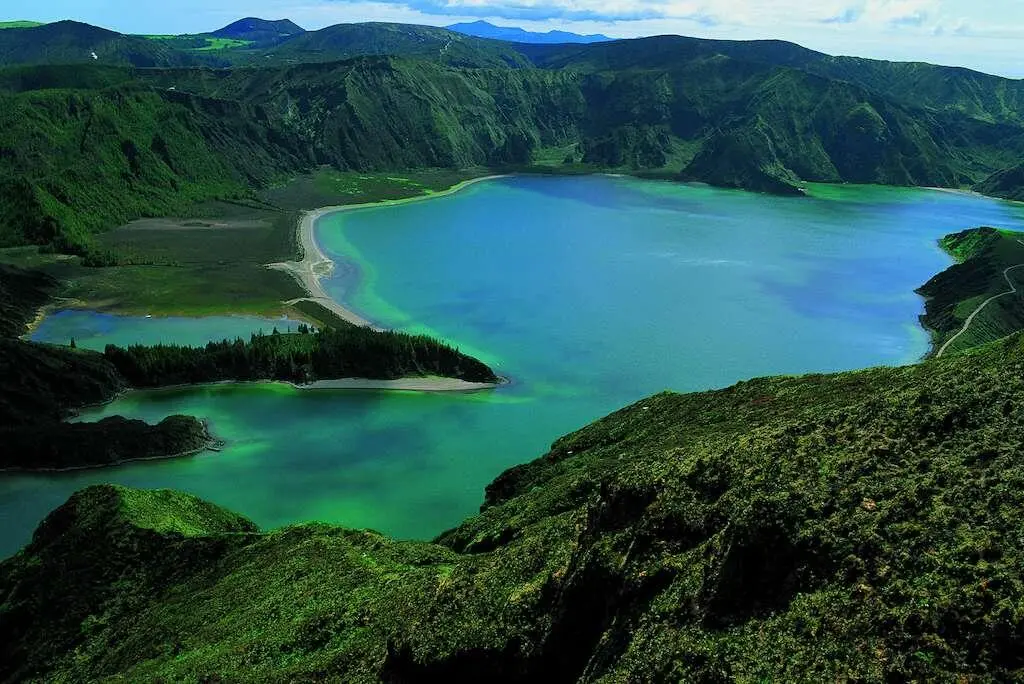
987, 266
1007, 183
942, 89
88, 146
344, 41
71, 42
855, 526
80, 160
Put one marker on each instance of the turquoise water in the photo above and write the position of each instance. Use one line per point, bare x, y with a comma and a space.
94, 330
590, 293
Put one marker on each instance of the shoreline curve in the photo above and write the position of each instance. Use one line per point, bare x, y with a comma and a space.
315, 264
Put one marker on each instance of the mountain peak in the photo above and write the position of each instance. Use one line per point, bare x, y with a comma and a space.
256, 29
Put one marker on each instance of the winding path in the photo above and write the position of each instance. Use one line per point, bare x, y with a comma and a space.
970, 319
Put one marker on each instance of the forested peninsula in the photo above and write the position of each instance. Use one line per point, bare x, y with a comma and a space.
42, 384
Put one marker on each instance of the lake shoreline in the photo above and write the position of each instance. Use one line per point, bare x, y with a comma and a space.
315, 264
212, 444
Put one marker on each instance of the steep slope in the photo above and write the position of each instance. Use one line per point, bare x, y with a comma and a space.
988, 98
84, 147
1008, 183
854, 526
381, 113
514, 34
68, 42
76, 161
989, 262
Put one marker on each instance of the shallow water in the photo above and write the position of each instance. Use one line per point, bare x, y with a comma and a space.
590, 293
95, 330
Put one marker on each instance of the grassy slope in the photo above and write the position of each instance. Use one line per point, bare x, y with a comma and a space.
19, 24
861, 525
982, 255
1007, 183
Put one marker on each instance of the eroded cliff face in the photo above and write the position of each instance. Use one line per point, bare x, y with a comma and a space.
857, 525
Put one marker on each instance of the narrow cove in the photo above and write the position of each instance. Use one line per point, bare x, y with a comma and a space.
554, 281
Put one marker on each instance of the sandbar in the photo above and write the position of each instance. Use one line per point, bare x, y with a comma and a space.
315, 264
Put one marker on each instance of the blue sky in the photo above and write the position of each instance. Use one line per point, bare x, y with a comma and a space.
981, 34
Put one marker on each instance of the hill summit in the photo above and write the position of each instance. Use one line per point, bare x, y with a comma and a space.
259, 30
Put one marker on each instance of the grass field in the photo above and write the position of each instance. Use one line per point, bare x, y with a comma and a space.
19, 24
199, 43
213, 259
222, 44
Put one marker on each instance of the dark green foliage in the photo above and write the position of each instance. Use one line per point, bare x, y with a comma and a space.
324, 317
983, 254
636, 148
854, 526
74, 162
110, 441
92, 524
260, 31
742, 159
22, 293
1008, 183
331, 353
42, 382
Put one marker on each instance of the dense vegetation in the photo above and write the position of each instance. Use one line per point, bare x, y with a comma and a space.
87, 146
107, 442
22, 293
1007, 183
303, 357
75, 161
984, 256
855, 526
42, 384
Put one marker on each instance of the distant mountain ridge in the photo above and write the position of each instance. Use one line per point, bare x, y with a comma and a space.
514, 34
757, 115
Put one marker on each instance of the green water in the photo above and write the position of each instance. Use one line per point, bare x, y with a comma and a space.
590, 293
94, 330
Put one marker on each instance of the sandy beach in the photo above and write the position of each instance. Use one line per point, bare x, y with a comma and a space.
426, 383
429, 383
315, 264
